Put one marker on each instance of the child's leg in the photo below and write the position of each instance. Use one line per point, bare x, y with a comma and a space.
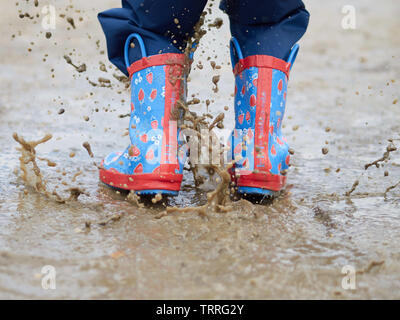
269, 27
163, 24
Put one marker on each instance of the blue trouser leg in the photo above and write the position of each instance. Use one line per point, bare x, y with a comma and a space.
269, 27
155, 21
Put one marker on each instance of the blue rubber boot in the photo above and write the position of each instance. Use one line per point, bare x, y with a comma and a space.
153, 162
257, 146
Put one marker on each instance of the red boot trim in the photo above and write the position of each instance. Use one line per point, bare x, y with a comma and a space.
262, 61
261, 130
158, 60
169, 148
139, 182
267, 181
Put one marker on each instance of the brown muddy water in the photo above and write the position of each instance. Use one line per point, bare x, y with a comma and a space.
341, 111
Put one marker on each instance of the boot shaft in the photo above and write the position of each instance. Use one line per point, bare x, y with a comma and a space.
151, 164
157, 83
257, 144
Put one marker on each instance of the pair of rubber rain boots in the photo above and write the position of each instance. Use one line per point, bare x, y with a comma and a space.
153, 162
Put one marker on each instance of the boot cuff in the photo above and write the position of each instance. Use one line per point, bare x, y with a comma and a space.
262, 61
158, 60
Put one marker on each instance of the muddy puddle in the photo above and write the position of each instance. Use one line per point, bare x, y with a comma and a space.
340, 207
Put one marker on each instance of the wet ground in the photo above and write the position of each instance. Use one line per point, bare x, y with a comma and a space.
342, 96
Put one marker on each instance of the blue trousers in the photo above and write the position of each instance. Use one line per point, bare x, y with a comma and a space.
268, 27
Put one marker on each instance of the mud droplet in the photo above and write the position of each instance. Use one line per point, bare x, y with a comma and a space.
215, 80
81, 68
157, 198
218, 22
88, 148
354, 186
386, 173
71, 22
